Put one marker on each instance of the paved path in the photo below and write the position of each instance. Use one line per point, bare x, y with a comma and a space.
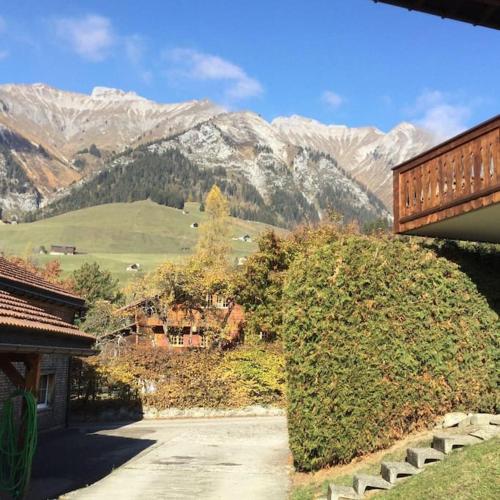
209, 459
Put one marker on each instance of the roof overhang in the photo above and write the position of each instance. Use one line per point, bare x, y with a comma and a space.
31, 349
478, 225
15, 339
21, 289
477, 12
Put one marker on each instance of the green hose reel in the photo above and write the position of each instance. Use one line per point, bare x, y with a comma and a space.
17, 444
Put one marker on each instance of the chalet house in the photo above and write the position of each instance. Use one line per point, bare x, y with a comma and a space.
453, 190
62, 250
37, 339
182, 329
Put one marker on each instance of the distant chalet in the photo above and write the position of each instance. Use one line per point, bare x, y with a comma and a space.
181, 329
62, 250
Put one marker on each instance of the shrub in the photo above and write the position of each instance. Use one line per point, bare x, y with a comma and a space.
161, 379
257, 375
381, 337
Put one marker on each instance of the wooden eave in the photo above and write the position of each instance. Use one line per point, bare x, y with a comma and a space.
476, 12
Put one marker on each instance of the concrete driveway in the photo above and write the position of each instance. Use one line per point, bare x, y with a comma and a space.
220, 458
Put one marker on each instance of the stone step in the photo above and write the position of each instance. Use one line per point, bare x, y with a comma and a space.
418, 457
455, 419
481, 418
485, 432
336, 492
391, 471
363, 482
495, 420
446, 443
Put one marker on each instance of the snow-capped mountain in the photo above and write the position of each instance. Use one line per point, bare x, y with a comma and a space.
51, 139
109, 118
367, 153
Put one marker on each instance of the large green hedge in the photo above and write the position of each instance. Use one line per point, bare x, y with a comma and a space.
381, 337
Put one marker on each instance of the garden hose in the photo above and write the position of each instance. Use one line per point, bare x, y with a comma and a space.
16, 450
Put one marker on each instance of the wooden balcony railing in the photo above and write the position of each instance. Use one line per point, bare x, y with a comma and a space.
458, 176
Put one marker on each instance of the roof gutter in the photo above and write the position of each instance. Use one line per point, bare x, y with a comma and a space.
44, 295
70, 351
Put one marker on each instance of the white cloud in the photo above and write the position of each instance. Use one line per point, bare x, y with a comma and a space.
134, 48
199, 66
441, 114
3, 27
91, 36
333, 99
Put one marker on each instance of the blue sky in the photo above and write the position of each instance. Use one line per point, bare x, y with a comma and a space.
339, 61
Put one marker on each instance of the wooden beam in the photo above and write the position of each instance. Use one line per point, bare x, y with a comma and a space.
33, 368
11, 372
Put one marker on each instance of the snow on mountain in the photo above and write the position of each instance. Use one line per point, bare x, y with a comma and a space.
109, 118
366, 152
252, 149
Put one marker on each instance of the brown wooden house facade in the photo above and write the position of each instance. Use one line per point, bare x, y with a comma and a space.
182, 329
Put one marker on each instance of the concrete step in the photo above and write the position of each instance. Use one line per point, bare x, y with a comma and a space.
481, 418
363, 482
485, 432
455, 419
495, 420
418, 457
336, 492
446, 443
391, 471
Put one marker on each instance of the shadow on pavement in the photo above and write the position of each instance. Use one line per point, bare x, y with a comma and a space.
69, 459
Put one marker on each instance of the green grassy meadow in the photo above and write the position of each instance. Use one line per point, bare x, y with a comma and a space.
119, 234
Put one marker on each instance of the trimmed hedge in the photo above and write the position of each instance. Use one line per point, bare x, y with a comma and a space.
381, 336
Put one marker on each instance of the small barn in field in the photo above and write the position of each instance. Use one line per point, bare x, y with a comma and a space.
62, 250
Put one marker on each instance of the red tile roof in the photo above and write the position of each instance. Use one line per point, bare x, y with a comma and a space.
18, 312
17, 274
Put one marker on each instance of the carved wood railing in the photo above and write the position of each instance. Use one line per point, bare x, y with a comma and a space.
446, 180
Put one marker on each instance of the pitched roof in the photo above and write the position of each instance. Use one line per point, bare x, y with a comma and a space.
18, 312
17, 274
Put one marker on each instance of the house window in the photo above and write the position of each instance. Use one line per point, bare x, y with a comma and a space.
204, 341
176, 340
46, 391
221, 302
218, 301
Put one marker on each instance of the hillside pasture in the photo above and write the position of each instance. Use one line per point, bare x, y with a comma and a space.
118, 234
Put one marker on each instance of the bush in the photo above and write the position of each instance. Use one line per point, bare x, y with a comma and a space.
161, 379
381, 337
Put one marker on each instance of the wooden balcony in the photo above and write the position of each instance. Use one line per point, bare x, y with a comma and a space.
453, 190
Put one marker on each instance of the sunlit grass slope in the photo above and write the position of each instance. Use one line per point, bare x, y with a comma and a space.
119, 234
